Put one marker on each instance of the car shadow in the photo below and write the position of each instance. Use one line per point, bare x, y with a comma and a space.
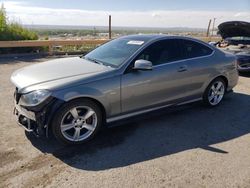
161, 133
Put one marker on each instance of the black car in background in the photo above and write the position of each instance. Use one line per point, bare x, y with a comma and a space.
236, 40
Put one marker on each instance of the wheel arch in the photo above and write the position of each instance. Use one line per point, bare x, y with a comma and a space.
205, 95
223, 77
57, 105
54, 129
100, 105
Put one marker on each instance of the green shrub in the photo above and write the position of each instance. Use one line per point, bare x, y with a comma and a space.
13, 30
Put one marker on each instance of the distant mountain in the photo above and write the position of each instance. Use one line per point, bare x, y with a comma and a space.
114, 28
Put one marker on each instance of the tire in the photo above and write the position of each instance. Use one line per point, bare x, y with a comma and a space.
214, 93
77, 122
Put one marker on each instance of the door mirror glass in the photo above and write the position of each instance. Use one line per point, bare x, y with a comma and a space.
142, 64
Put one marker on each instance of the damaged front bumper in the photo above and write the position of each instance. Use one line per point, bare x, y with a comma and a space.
32, 121
25, 118
36, 119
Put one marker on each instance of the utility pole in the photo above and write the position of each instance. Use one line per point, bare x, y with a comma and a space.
109, 26
208, 28
213, 26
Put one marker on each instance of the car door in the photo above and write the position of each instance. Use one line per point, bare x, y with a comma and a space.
200, 63
165, 83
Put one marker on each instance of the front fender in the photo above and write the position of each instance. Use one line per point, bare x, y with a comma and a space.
106, 92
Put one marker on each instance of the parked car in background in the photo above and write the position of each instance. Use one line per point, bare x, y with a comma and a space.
125, 77
236, 40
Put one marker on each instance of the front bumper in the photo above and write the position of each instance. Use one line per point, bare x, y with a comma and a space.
36, 119
25, 118
31, 121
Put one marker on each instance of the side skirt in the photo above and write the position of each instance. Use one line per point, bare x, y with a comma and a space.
125, 116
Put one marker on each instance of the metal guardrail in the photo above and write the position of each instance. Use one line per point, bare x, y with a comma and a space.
49, 43
209, 39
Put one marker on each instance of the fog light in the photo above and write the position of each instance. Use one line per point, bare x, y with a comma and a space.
23, 120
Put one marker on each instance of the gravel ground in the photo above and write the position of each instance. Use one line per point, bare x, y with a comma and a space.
188, 146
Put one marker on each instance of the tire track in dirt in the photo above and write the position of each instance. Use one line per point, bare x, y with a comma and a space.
8, 157
34, 164
44, 179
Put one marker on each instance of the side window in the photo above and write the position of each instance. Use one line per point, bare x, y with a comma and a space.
162, 52
194, 49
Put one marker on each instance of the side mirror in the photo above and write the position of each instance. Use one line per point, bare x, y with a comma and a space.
142, 64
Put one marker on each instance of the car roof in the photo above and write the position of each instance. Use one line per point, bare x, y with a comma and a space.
146, 37
149, 37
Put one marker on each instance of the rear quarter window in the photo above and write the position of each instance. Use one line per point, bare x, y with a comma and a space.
193, 49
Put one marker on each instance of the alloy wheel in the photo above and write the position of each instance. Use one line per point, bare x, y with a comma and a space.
78, 123
216, 93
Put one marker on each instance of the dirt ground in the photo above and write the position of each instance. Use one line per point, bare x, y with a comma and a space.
189, 146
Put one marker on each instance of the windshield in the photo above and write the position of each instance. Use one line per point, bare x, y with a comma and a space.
115, 52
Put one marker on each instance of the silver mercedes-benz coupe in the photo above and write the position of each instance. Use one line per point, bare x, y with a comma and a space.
74, 97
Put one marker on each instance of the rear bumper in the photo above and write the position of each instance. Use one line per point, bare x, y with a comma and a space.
233, 78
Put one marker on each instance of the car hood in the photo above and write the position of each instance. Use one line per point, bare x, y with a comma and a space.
234, 29
60, 69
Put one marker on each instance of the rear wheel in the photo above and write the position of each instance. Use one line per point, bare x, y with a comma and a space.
77, 122
215, 92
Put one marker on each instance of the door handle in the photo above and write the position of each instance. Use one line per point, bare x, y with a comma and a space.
182, 68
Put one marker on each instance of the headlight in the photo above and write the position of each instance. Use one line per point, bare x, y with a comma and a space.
34, 98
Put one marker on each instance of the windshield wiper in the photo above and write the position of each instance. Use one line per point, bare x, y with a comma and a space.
95, 60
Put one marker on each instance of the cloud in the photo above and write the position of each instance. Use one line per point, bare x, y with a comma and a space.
243, 14
155, 18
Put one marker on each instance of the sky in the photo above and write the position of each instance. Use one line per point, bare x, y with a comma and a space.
131, 13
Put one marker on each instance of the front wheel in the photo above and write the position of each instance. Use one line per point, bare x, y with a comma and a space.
215, 92
77, 122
